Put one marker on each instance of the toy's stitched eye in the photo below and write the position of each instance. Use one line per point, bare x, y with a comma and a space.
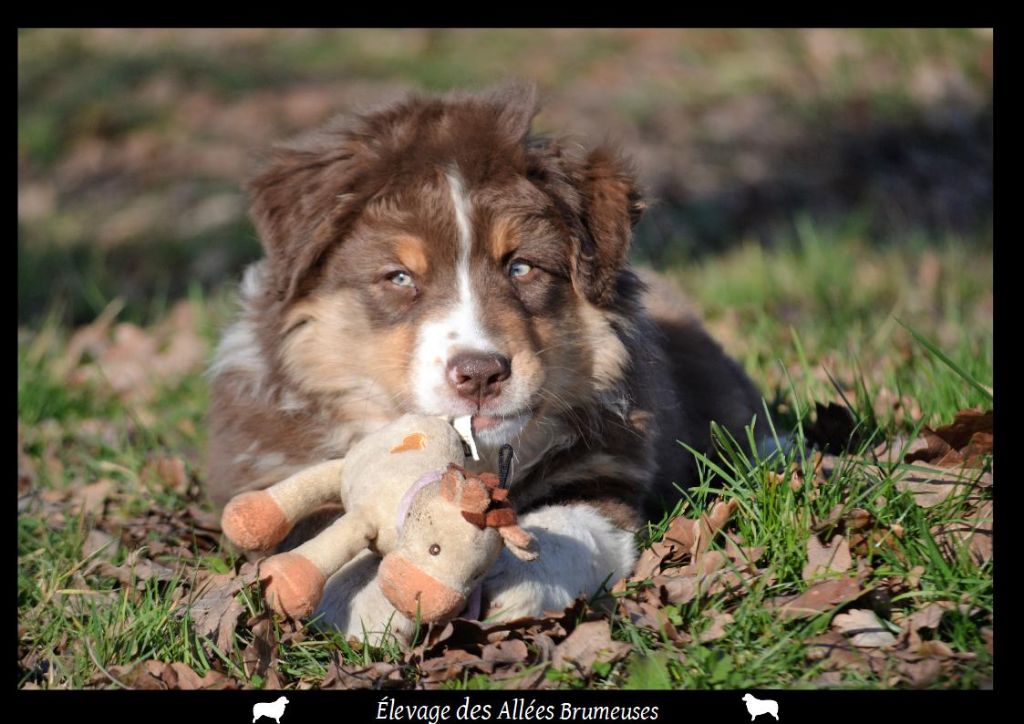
435, 549
519, 269
401, 278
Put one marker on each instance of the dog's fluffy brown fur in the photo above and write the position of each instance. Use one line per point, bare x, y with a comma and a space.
438, 225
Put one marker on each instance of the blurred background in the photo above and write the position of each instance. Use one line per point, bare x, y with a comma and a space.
133, 144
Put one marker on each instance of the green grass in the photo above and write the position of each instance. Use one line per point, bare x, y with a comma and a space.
759, 650
812, 321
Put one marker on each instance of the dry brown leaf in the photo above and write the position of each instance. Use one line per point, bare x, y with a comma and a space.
516, 678
588, 643
823, 560
135, 362
505, 652
680, 536
719, 620
864, 628
821, 597
858, 518
965, 443
684, 537
91, 338
743, 558
920, 673
830, 521
965, 425
637, 614
135, 568
648, 564
897, 450
914, 576
203, 519
975, 532
775, 478
363, 677
932, 449
710, 524
169, 470
928, 617
977, 449
835, 651
91, 499
27, 474
261, 653
450, 665
158, 675
188, 679
704, 565
678, 589
144, 675
216, 610
934, 648
648, 615
931, 484
103, 545
828, 679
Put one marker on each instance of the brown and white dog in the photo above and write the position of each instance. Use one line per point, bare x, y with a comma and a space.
435, 257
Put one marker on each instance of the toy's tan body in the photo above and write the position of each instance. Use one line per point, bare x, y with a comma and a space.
433, 563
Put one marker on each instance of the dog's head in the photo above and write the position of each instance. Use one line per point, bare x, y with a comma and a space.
435, 257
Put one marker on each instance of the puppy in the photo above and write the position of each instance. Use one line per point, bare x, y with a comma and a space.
436, 257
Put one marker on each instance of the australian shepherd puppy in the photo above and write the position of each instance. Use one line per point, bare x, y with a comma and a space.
436, 257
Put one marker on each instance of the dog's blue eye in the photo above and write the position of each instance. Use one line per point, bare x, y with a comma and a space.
519, 269
401, 279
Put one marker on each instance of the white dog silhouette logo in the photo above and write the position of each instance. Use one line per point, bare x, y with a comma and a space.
757, 707
271, 709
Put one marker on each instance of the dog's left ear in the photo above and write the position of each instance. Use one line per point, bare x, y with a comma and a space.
611, 206
517, 106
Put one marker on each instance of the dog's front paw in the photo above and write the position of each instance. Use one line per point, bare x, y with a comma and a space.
254, 521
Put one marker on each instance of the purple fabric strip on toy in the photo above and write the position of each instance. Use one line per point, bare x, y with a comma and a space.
406, 502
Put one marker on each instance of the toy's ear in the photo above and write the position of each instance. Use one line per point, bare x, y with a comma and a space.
474, 498
468, 494
519, 543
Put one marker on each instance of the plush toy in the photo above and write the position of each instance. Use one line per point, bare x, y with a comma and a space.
405, 496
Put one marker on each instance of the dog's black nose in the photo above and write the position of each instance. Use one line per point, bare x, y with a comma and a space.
477, 376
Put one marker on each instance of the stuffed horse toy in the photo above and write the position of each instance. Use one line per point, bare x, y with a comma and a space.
405, 496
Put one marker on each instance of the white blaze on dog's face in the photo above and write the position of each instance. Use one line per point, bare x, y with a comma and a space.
457, 367
446, 266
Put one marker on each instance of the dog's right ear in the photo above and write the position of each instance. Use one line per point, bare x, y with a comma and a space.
302, 203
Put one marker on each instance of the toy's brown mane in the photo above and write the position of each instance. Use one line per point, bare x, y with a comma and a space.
486, 507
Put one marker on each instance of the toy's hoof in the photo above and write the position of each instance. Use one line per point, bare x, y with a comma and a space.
254, 521
292, 584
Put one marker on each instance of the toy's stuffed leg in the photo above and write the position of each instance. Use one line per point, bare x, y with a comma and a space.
260, 519
295, 580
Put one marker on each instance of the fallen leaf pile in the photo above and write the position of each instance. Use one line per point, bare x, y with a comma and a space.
950, 462
131, 361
